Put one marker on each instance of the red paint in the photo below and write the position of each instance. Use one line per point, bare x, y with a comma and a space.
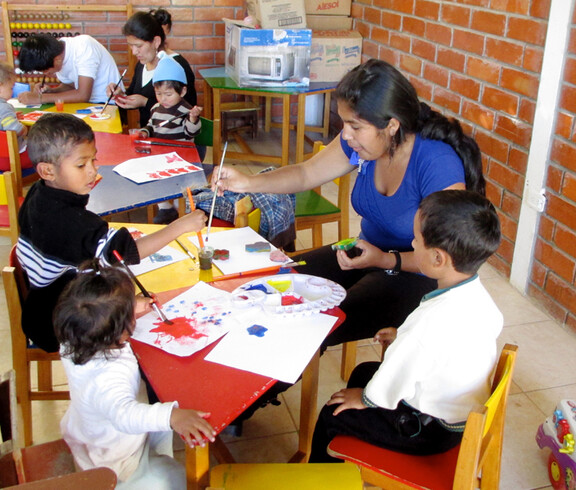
182, 329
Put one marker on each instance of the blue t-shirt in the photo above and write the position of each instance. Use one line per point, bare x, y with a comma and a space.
387, 221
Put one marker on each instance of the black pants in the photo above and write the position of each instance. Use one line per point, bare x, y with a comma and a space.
404, 429
374, 300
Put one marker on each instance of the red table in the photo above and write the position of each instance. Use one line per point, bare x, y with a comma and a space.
221, 390
115, 193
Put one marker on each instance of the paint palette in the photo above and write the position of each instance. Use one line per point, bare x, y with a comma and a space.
290, 294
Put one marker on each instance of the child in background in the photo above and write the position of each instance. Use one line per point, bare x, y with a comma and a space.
8, 118
109, 421
83, 66
440, 363
58, 233
169, 81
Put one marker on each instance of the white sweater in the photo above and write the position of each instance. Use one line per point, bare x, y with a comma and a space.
108, 421
443, 357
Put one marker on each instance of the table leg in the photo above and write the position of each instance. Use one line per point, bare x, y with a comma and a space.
197, 467
207, 101
217, 135
326, 119
300, 128
285, 129
308, 401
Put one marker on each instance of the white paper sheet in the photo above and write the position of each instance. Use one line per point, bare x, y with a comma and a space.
235, 241
19, 105
155, 167
201, 316
165, 256
282, 352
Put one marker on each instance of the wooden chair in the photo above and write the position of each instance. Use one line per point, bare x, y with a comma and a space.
9, 149
312, 210
48, 466
23, 353
9, 205
285, 476
475, 463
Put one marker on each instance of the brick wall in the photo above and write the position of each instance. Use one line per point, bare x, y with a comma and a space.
477, 60
553, 274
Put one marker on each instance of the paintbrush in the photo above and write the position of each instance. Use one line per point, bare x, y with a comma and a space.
186, 251
157, 309
114, 90
159, 143
192, 208
215, 192
257, 272
175, 118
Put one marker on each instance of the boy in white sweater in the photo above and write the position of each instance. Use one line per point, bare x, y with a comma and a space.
439, 362
109, 422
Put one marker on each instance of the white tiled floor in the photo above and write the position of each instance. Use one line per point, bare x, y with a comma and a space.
541, 379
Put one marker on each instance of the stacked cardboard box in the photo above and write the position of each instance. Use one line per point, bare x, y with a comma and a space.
277, 14
333, 54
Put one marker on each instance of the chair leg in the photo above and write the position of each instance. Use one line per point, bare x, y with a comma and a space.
348, 359
317, 235
44, 375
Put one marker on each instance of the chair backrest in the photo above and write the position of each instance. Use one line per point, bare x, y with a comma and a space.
206, 136
481, 449
9, 150
9, 198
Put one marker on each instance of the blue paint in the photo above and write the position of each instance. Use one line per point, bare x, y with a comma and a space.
257, 330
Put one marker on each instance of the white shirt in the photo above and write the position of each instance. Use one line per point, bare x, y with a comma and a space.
86, 57
107, 421
443, 357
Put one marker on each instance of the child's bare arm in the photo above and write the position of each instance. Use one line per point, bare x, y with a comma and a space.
192, 426
150, 244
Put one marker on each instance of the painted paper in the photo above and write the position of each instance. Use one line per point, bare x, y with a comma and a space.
155, 167
165, 256
200, 316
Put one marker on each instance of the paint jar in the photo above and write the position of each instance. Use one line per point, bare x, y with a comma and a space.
59, 105
206, 255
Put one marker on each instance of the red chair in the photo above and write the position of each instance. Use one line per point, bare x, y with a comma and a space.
473, 464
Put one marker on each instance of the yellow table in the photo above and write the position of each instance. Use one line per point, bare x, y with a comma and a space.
112, 125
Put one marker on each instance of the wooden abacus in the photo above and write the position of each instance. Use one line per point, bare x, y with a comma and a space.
19, 21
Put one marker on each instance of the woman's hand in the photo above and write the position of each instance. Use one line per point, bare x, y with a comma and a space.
371, 256
347, 398
112, 87
133, 101
192, 426
230, 180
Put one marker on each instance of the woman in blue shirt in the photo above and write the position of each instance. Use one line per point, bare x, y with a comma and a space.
403, 151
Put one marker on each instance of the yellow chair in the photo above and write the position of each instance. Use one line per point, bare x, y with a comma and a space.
9, 149
475, 463
9, 205
313, 210
285, 476
23, 353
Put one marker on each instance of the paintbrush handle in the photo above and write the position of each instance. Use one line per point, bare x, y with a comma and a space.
257, 272
215, 192
114, 89
131, 274
172, 119
159, 143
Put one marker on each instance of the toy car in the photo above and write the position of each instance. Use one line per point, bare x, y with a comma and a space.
557, 433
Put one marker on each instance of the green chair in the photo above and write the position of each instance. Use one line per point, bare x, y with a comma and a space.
313, 210
205, 138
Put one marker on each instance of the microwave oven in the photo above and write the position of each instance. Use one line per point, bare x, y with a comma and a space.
269, 66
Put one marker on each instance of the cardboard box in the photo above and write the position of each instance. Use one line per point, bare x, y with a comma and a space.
328, 7
268, 57
277, 14
328, 22
333, 54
